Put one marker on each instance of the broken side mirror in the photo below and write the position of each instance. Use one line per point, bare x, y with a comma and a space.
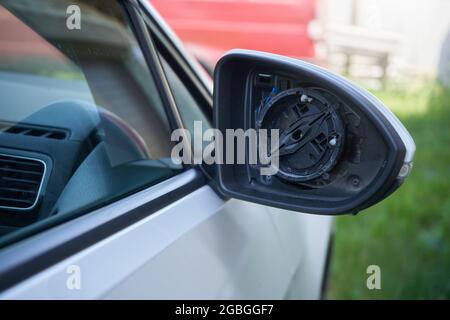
323, 145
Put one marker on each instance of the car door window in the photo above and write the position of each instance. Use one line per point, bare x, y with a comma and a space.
189, 108
81, 121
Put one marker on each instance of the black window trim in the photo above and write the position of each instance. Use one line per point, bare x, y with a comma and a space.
166, 45
178, 61
153, 63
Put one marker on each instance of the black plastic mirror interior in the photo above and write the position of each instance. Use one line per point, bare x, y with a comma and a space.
339, 149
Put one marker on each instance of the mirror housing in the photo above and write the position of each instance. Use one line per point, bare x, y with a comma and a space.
339, 149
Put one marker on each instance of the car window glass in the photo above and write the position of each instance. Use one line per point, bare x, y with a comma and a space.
189, 108
81, 120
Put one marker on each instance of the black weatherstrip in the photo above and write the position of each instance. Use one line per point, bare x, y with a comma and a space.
39, 252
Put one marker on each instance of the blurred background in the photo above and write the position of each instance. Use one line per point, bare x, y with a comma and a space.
398, 49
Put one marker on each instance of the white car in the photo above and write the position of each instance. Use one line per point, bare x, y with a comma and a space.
92, 203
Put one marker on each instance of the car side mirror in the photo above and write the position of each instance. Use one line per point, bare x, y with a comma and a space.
314, 141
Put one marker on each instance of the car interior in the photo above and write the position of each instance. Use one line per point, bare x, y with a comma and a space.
81, 122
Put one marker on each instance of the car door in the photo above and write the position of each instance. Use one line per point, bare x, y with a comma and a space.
120, 220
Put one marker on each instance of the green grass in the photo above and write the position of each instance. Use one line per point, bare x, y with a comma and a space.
407, 234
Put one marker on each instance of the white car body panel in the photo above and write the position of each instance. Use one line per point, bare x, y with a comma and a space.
199, 247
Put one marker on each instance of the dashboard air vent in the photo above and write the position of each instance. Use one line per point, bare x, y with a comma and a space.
42, 132
20, 182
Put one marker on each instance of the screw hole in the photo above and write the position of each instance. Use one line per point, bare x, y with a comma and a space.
297, 134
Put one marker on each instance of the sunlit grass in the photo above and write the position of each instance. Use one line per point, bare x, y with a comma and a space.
404, 101
408, 234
